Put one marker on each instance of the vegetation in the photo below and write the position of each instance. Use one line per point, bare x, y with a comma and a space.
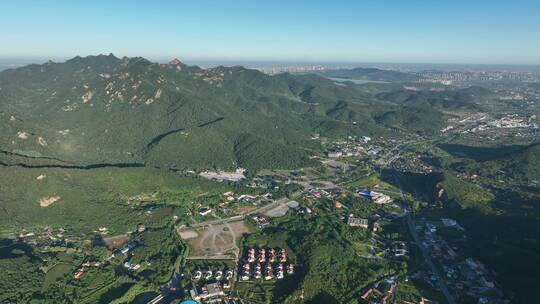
325, 247
101, 110
17, 285
116, 198
467, 195
100, 148
371, 74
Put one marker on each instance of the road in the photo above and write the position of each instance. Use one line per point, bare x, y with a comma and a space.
427, 258
412, 229
241, 217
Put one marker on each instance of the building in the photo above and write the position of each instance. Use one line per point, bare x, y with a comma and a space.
376, 227
129, 246
335, 154
380, 198
77, 274
207, 291
357, 222
365, 193
449, 222
260, 220
131, 266
204, 211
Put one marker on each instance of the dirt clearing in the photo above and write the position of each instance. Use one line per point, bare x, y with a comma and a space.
47, 201
214, 240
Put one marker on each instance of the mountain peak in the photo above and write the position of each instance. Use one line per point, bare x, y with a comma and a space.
100, 59
175, 61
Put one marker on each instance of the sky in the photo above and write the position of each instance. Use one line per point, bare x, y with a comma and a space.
409, 31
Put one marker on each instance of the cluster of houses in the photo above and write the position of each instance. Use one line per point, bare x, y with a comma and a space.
230, 200
263, 255
260, 220
354, 146
318, 193
466, 277
415, 164
400, 251
265, 264
230, 197
210, 283
209, 275
49, 237
380, 292
77, 274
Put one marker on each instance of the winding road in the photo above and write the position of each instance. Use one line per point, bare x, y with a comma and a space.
241, 217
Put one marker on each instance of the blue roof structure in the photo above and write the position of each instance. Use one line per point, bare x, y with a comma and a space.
365, 193
129, 246
188, 302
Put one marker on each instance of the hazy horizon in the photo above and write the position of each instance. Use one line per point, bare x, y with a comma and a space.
6, 63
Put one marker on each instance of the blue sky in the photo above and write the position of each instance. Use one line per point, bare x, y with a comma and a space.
431, 31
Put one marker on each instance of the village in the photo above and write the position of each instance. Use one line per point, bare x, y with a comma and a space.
218, 266
465, 276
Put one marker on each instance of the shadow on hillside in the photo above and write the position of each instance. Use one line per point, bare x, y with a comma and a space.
422, 186
322, 298
480, 154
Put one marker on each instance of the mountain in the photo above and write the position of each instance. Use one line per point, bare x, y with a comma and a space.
519, 162
103, 110
372, 74
524, 164
467, 99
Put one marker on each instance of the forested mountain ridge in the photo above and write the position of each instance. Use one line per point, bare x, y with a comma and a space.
106, 110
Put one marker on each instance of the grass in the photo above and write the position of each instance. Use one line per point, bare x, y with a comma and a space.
256, 292
116, 198
412, 291
90, 198
361, 248
368, 182
56, 272
466, 194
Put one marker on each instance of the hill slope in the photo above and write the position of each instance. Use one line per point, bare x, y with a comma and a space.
105, 110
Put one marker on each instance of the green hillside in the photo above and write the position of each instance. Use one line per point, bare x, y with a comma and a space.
522, 163
105, 110
467, 99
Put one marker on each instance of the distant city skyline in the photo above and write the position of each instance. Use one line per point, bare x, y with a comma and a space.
458, 32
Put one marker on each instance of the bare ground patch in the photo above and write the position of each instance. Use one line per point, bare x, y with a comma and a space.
214, 240
47, 201
188, 234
